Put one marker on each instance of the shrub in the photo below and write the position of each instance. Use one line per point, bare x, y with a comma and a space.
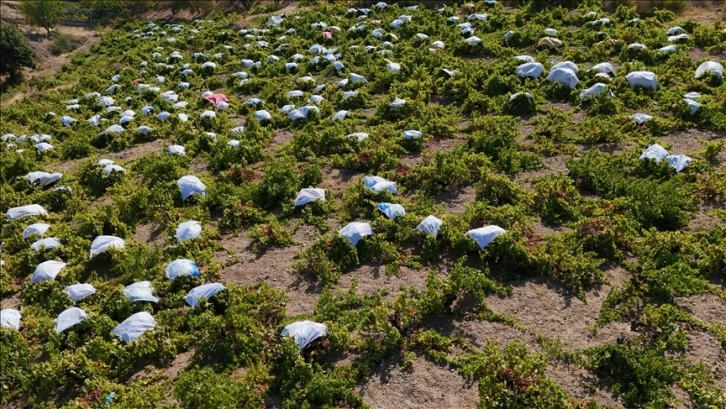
15, 49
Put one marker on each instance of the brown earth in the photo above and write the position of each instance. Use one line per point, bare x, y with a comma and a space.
428, 385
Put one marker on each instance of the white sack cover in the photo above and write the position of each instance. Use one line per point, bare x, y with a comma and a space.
360, 136
263, 115
354, 231
709, 66
10, 318
78, 292
304, 332
181, 267
134, 326
485, 235
176, 150
430, 225
594, 91
391, 210
393, 66
202, 291
645, 79
25, 211
566, 64
692, 95
188, 230
397, 103
669, 49
113, 130
208, 114
675, 31
69, 318
141, 291
655, 152
640, 119
473, 40
109, 169
339, 116
378, 184
357, 78
530, 69
43, 178
47, 271
43, 146
412, 134
564, 76
37, 229
525, 58
102, 243
48, 243
309, 194
603, 67
549, 42
677, 38
678, 162
692, 105
274, 20
104, 162
191, 185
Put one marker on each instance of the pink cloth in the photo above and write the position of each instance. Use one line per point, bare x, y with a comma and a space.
327, 35
216, 98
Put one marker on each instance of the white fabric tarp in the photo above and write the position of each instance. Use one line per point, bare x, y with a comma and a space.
359, 136
564, 76
645, 79
263, 115
391, 210
304, 332
134, 326
485, 235
10, 318
35, 229
43, 178
102, 243
709, 66
378, 184
655, 152
693, 106
640, 119
69, 318
309, 194
595, 91
354, 231
430, 225
191, 185
109, 169
140, 291
604, 67
188, 230
678, 162
47, 271
78, 292
48, 243
530, 70
176, 150
181, 267
25, 211
202, 291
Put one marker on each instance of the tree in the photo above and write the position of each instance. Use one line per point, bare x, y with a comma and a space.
15, 50
43, 13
